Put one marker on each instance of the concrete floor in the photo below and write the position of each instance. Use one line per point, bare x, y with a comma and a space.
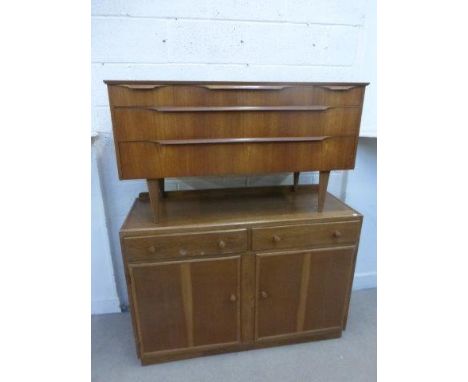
350, 358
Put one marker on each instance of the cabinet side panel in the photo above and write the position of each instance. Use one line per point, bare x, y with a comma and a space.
114, 130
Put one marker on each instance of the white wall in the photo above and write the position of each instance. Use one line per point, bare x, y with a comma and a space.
321, 40
361, 194
256, 40
104, 297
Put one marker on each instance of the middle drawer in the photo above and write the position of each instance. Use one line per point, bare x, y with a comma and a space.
146, 124
182, 245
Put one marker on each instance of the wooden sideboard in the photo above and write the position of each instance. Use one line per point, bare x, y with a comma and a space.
230, 270
177, 129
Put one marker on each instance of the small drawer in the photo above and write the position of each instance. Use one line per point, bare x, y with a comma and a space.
183, 245
134, 94
309, 235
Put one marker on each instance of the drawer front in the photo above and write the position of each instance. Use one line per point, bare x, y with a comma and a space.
131, 124
299, 236
153, 160
177, 245
234, 95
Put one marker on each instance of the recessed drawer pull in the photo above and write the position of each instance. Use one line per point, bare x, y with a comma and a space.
221, 244
245, 87
337, 234
232, 297
276, 238
239, 140
141, 86
338, 87
198, 109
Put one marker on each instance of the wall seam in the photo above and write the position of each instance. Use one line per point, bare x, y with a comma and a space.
201, 19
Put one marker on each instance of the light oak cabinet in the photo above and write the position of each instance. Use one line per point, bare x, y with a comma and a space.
235, 270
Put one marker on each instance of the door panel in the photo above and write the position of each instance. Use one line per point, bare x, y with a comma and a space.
302, 291
216, 297
330, 275
185, 304
278, 283
157, 297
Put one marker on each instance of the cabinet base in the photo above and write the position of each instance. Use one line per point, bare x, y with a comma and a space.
179, 354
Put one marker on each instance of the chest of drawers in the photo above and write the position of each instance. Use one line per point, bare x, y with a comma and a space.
176, 129
230, 270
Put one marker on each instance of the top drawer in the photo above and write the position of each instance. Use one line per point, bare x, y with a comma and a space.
181, 245
235, 95
307, 235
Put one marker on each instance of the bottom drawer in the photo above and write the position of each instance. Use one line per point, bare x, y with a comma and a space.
153, 160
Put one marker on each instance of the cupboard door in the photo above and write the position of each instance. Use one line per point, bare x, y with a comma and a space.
216, 301
186, 304
301, 292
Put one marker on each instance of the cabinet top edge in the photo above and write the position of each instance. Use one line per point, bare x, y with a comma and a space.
178, 203
155, 82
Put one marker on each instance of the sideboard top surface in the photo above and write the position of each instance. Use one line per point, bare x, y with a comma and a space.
205, 209
149, 82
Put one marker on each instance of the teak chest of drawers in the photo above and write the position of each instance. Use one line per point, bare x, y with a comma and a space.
176, 129
229, 270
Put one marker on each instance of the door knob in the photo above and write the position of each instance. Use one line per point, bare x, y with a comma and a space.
263, 294
337, 234
276, 238
182, 252
221, 244
233, 297
152, 249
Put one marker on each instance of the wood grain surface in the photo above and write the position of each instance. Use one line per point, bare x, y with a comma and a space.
289, 280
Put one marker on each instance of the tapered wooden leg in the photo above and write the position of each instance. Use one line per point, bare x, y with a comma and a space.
154, 189
296, 180
323, 185
161, 187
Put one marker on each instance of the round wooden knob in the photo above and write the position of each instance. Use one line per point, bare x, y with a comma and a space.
337, 234
233, 297
182, 252
152, 249
276, 238
264, 294
221, 244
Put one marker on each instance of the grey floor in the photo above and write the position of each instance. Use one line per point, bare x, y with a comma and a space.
349, 358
